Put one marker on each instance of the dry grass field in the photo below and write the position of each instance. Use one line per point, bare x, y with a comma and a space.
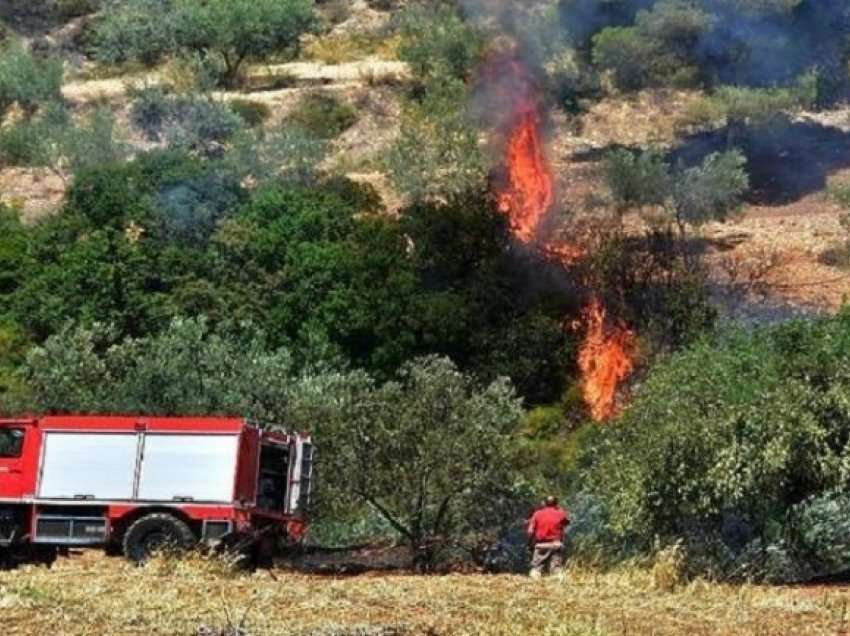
96, 596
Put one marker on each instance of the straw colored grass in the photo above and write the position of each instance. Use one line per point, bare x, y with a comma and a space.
95, 595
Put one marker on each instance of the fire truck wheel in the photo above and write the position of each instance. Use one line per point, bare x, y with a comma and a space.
155, 531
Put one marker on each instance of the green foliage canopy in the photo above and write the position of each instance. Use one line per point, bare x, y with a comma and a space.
728, 443
227, 31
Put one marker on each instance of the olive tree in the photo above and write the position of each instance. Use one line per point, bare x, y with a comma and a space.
688, 197
426, 450
221, 34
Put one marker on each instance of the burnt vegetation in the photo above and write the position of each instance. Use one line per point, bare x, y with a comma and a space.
447, 321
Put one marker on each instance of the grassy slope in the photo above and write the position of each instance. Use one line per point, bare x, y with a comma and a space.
92, 595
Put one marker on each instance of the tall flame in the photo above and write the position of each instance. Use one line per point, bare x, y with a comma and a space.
529, 192
526, 196
605, 360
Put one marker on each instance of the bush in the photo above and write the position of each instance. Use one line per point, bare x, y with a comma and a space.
288, 154
28, 81
438, 153
193, 121
726, 441
54, 141
252, 113
323, 115
20, 144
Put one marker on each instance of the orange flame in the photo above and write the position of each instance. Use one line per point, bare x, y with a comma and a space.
605, 357
529, 192
605, 360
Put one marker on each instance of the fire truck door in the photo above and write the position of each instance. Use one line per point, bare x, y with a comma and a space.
11, 461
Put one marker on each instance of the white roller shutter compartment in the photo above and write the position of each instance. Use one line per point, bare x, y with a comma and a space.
88, 466
199, 468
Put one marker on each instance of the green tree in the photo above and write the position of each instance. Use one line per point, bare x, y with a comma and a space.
221, 33
425, 449
438, 43
437, 154
689, 197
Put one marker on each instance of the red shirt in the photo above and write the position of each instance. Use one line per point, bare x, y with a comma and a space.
547, 524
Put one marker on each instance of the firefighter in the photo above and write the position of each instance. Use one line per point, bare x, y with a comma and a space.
546, 530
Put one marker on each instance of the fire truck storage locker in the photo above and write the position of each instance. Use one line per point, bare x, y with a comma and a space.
139, 466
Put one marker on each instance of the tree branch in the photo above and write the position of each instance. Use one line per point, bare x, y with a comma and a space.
389, 517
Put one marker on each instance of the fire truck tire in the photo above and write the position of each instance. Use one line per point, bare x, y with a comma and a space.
154, 531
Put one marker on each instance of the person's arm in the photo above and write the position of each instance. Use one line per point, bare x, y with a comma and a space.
531, 530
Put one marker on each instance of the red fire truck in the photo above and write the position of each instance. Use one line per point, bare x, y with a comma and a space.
136, 483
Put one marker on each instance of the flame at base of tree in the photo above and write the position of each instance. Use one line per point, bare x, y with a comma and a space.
605, 360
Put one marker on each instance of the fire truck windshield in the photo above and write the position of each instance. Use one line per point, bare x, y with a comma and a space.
11, 442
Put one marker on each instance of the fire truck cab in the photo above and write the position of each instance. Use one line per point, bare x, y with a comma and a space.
136, 483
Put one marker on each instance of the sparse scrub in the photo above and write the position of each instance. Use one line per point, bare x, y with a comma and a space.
54, 140
338, 49
838, 255
27, 81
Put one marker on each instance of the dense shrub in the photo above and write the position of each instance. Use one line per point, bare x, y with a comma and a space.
314, 263
729, 446
323, 115
659, 49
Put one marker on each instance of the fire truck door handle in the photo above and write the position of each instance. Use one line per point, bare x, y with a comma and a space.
6, 469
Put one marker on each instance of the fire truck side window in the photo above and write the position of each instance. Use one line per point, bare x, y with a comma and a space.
11, 442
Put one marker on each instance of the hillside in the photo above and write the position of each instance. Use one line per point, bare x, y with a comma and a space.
781, 244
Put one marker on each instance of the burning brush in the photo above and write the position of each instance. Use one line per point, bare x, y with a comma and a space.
526, 194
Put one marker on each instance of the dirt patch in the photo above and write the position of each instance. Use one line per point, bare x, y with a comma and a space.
37, 192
